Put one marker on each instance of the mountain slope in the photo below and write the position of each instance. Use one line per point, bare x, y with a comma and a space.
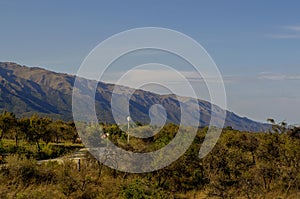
25, 90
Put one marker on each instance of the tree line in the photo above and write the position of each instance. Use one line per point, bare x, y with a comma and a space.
35, 129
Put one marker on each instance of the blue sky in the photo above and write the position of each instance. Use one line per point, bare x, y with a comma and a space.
256, 44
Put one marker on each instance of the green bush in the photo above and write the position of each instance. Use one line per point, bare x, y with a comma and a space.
133, 191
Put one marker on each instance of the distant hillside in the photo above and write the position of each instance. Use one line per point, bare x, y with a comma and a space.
25, 90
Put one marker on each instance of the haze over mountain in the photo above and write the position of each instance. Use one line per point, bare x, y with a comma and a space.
25, 90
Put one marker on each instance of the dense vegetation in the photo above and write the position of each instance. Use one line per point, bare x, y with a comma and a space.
241, 165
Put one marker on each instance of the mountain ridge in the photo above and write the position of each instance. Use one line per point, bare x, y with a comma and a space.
27, 90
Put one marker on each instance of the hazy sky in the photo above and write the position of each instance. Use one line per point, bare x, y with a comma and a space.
255, 44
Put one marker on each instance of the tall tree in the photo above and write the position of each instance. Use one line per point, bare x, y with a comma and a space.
38, 129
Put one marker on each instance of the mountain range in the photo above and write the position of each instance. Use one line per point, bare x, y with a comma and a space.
27, 90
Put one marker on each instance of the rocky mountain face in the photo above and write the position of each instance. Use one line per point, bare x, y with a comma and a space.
26, 90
